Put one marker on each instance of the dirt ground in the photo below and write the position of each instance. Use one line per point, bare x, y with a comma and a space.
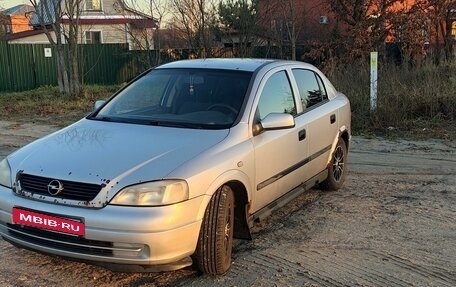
393, 224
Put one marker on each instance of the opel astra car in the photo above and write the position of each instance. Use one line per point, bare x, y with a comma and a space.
176, 164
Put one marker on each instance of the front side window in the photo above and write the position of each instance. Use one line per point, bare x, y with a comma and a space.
93, 5
93, 37
188, 98
276, 97
310, 86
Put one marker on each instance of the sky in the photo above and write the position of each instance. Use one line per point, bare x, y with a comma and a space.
10, 3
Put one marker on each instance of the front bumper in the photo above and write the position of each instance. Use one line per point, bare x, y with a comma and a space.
113, 234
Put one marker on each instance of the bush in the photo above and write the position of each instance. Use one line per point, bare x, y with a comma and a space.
409, 98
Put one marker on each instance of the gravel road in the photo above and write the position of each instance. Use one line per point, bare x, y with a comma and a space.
393, 224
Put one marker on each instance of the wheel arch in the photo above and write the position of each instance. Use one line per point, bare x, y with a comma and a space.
241, 206
345, 135
342, 134
238, 182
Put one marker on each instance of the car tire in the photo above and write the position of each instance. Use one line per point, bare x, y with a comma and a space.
337, 170
215, 242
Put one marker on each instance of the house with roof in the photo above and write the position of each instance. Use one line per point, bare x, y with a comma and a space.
14, 19
99, 22
316, 22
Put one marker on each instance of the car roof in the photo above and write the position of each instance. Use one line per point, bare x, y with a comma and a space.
238, 64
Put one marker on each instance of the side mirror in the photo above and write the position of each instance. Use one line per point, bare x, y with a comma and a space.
275, 121
98, 104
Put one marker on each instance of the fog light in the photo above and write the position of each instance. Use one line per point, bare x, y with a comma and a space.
130, 250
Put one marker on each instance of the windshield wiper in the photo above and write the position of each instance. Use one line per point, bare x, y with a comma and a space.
104, 119
175, 124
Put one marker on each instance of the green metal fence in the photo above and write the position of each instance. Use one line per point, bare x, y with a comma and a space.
24, 67
16, 71
28, 66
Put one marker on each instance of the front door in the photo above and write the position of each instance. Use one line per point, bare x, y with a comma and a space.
277, 152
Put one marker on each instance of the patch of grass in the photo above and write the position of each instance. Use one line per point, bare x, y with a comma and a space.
47, 105
418, 102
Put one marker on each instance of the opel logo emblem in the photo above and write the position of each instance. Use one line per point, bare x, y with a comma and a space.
55, 187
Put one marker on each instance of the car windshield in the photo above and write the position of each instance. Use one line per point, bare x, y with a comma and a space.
188, 98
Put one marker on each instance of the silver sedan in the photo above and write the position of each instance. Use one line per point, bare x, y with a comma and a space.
178, 162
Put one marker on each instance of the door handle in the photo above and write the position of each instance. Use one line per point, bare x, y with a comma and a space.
332, 118
302, 135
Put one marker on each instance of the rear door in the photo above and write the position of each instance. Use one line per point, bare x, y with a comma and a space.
320, 116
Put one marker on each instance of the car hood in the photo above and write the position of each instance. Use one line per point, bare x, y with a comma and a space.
99, 152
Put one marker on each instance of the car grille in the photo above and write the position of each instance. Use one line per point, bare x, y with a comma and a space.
60, 241
72, 190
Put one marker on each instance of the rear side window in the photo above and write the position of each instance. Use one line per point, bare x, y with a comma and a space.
310, 86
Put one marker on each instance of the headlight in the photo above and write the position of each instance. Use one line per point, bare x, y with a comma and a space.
5, 173
153, 193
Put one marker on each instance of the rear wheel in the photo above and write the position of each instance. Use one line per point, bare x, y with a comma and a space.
337, 170
213, 251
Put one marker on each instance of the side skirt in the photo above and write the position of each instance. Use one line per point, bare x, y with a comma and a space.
287, 197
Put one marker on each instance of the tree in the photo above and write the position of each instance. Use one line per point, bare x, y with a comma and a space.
367, 23
410, 32
73, 10
239, 20
2, 24
370, 22
146, 38
49, 16
441, 14
292, 23
194, 19
285, 20
158, 9
149, 39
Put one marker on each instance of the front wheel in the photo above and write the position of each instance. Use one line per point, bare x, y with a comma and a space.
215, 242
337, 170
